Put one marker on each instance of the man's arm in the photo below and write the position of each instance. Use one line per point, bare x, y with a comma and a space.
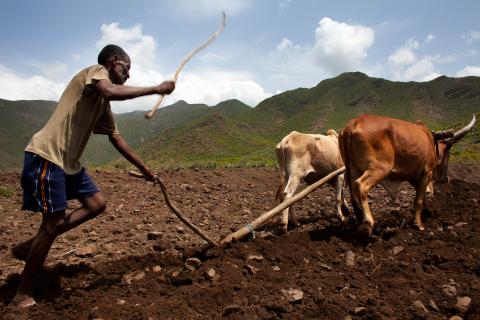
121, 145
111, 91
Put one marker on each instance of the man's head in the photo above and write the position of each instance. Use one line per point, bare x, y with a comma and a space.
117, 62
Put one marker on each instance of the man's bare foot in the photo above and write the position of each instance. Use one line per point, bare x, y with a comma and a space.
21, 251
23, 301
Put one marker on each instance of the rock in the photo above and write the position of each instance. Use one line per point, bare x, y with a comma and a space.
433, 305
157, 269
419, 307
326, 267
359, 310
230, 309
86, 251
350, 258
251, 269
293, 295
455, 318
397, 249
212, 275
154, 235
180, 229
460, 224
463, 303
193, 264
255, 257
276, 268
132, 277
449, 290
120, 302
265, 234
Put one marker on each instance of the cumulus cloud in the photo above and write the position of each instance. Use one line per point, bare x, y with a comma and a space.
284, 44
471, 36
406, 65
17, 87
468, 71
340, 46
207, 8
214, 86
132, 40
429, 38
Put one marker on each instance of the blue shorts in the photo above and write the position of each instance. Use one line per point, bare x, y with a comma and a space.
46, 187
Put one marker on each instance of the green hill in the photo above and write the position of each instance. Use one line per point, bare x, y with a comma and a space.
232, 133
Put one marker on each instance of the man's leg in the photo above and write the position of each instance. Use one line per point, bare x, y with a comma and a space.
40, 246
53, 224
92, 207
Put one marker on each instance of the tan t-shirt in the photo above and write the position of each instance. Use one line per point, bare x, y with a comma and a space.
80, 111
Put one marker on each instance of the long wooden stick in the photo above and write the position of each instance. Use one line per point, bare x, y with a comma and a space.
240, 233
150, 114
177, 211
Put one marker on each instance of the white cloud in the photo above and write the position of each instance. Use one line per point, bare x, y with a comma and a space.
469, 71
429, 38
15, 87
406, 65
214, 86
405, 55
208, 8
140, 47
471, 36
284, 44
340, 46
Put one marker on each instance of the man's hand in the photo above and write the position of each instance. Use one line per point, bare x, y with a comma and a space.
166, 87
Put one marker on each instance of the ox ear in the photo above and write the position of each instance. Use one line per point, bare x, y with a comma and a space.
441, 135
461, 133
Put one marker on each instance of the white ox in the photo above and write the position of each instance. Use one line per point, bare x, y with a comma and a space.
308, 157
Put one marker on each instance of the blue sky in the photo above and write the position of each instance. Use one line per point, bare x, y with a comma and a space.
267, 47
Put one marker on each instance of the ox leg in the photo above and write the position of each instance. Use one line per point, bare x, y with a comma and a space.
292, 185
361, 187
339, 199
421, 187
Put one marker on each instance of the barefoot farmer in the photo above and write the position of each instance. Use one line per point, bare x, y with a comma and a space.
52, 173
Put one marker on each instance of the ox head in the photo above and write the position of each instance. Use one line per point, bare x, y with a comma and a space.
444, 141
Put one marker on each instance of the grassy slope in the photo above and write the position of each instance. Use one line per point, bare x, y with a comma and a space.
233, 133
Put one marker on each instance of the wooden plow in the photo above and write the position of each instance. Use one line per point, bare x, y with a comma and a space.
249, 228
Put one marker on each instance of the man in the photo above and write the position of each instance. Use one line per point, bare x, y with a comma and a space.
52, 173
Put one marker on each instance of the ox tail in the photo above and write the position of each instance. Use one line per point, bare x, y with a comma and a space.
280, 152
344, 145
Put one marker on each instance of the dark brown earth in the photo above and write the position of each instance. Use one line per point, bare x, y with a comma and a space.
401, 273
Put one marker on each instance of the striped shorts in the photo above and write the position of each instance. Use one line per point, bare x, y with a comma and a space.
46, 187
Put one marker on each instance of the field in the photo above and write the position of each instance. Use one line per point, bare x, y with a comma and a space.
129, 263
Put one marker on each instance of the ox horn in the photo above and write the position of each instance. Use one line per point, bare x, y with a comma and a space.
461, 133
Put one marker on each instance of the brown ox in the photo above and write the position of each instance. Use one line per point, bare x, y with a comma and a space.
308, 157
376, 149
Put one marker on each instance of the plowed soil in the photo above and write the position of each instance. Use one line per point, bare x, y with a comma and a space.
129, 263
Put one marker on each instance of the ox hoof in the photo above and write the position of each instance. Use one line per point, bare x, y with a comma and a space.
364, 231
